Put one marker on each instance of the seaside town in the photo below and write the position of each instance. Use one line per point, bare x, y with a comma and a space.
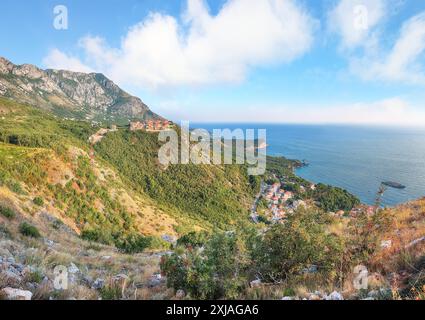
273, 204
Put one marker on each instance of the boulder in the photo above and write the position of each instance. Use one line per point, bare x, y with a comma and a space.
256, 283
16, 294
335, 296
73, 269
10, 278
180, 294
98, 284
314, 297
386, 244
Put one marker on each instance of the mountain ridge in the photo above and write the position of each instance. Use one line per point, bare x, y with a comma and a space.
82, 96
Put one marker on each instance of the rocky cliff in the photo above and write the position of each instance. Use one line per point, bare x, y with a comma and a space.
70, 94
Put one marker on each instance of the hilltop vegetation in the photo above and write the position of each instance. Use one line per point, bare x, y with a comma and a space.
309, 256
217, 195
122, 193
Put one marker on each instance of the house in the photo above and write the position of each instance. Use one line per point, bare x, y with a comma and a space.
136, 126
287, 195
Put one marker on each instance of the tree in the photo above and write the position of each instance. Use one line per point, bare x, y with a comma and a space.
216, 271
286, 249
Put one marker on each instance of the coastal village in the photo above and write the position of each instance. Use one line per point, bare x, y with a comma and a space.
274, 204
279, 203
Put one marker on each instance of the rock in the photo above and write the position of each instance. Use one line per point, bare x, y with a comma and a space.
368, 298
373, 294
256, 283
98, 284
31, 286
10, 278
49, 243
87, 280
386, 244
335, 296
106, 258
18, 267
11, 260
314, 297
180, 294
16, 294
120, 280
73, 269
154, 283
311, 269
288, 298
168, 238
157, 276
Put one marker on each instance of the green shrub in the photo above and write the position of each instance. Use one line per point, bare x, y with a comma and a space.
5, 231
34, 277
287, 249
16, 187
111, 293
97, 235
193, 239
29, 230
7, 212
133, 244
38, 201
219, 271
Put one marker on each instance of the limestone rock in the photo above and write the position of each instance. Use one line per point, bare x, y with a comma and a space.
16, 294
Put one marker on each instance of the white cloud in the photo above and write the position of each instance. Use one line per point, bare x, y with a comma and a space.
392, 111
403, 63
355, 21
368, 54
58, 60
163, 51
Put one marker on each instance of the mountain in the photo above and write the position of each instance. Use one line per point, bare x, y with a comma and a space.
71, 94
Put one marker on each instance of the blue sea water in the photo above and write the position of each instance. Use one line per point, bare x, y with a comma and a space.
356, 158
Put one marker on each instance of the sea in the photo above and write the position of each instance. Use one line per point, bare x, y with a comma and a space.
355, 158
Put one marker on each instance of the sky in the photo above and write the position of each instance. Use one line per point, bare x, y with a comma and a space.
268, 61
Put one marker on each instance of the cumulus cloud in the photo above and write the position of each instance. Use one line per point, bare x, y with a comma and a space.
403, 62
360, 26
59, 60
355, 21
200, 48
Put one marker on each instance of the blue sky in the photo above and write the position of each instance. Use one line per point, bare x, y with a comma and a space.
330, 61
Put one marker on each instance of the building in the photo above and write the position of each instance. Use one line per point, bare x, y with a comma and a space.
150, 125
136, 126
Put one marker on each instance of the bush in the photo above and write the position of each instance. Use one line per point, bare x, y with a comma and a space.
7, 212
38, 201
4, 231
218, 271
133, 244
97, 235
111, 292
193, 239
287, 249
29, 230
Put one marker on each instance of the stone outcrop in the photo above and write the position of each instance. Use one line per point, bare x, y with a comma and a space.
76, 95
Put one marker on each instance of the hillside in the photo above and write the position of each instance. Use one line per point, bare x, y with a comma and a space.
120, 191
71, 94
